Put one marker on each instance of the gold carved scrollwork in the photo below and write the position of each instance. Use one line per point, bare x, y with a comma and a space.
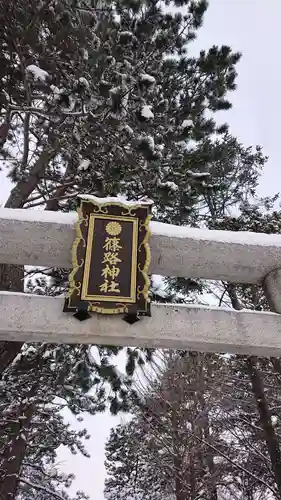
96, 307
113, 229
145, 291
75, 286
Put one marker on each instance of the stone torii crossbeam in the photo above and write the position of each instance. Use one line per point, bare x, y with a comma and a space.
41, 238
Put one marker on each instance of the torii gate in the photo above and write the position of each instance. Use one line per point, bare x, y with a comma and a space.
41, 238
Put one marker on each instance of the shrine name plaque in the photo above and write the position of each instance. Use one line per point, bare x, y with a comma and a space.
110, 258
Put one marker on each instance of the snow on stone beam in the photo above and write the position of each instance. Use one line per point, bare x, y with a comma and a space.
41, 238
33, 318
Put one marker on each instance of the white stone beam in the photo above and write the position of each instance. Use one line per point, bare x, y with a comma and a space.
30, 318
40, 238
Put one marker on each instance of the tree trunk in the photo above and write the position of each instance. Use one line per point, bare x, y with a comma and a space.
13, 456
17, 439
209, 453
262, 406
23, 189
179, 489
265, 420
210, 463
12, 277
11, 280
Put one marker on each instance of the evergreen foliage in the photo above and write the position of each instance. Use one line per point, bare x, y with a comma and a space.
104, 98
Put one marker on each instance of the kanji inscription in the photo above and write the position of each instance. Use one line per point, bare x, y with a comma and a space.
110, 259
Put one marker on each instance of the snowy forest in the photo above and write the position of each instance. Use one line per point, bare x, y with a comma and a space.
110, 99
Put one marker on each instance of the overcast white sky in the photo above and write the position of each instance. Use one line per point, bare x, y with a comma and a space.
252, 27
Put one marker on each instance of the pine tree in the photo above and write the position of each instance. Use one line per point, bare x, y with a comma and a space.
171, 447
258, 377
40, 383
197, 434
121, 111
103, 111
263, 374
249, 398
104, 99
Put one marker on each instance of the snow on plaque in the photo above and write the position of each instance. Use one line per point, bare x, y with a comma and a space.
110, 259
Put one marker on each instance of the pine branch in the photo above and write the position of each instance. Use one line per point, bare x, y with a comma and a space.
46, 113
38, 487
239, 467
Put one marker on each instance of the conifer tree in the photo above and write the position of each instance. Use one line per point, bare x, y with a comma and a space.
196, 434
105, 99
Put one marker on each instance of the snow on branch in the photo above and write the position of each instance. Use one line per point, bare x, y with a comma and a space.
186, 124
197, 175
146, 112
147, 79
84, 165
38, 487
42, 112
169, 185
37, 73
117, 199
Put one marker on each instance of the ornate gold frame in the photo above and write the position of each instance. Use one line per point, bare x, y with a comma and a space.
76, 286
